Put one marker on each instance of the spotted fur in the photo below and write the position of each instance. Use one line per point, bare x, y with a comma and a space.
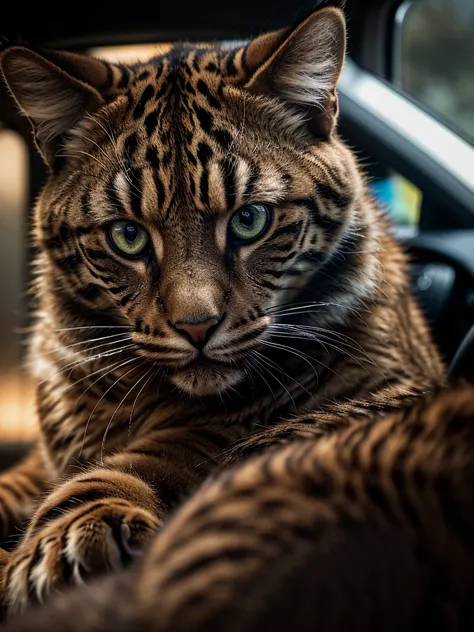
315, 326
369, 529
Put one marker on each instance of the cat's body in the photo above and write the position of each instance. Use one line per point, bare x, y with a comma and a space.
368, 530
171, 337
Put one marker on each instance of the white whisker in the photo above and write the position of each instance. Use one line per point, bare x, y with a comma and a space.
109, 425
84, 351
108, 391
299, 354
83, 342
252, 362
95, 327
278, 368
77, 363
261, 359
138, 395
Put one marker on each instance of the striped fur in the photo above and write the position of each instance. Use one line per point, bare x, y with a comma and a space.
369, 529
316, 324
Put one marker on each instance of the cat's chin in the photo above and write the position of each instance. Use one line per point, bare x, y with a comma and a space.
206, 379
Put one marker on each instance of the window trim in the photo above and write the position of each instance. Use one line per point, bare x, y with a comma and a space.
431, 154
400, 17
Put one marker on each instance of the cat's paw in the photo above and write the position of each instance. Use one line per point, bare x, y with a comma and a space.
14, 509
102, 536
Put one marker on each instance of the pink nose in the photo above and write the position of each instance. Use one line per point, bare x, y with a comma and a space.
197, 330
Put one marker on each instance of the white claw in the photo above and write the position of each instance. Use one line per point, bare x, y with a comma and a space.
76, 573
126, 535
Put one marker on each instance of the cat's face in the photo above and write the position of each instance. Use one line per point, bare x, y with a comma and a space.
205, 189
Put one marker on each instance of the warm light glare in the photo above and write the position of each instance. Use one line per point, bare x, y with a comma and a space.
129, 54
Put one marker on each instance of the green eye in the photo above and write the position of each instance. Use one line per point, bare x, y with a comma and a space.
127, 237
250, 222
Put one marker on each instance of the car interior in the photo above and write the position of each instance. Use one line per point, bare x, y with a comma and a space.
418, 156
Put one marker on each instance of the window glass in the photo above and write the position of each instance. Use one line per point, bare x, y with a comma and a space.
16, 395
434, 59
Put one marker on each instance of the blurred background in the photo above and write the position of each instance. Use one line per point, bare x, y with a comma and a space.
432, 62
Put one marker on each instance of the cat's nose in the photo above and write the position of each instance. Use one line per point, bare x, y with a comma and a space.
197, 328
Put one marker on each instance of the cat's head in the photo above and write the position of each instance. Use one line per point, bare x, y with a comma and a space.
193, 195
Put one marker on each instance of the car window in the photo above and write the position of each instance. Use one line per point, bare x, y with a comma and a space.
433, 59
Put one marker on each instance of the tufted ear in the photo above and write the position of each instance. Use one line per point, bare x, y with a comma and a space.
54, 92
301, 66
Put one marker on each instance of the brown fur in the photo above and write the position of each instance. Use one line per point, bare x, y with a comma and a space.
317, 327
369, 529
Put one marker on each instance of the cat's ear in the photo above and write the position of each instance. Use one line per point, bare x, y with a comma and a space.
301, 66
54, 92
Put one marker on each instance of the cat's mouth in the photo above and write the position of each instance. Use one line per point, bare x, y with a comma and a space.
205, 377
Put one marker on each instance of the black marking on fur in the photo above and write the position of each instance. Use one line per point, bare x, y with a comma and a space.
85, 203
69, 503
211, 99
162, 91
282, 259
223, 138
228, 175
204, 188
83, 230
289, 229
70, 263
130, 145
189, 89
64, 233
124, 79
143, 75
204, 153
268, 284
152, 157
95, 255
135, 176
117, 290
160, 190
204, 117
329, 225
211, 67
253, 177
191, 158
126, 299
147, 94
249, 335
151, 121
167, 158
326, 191
230, 68
91, 292
277, 274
